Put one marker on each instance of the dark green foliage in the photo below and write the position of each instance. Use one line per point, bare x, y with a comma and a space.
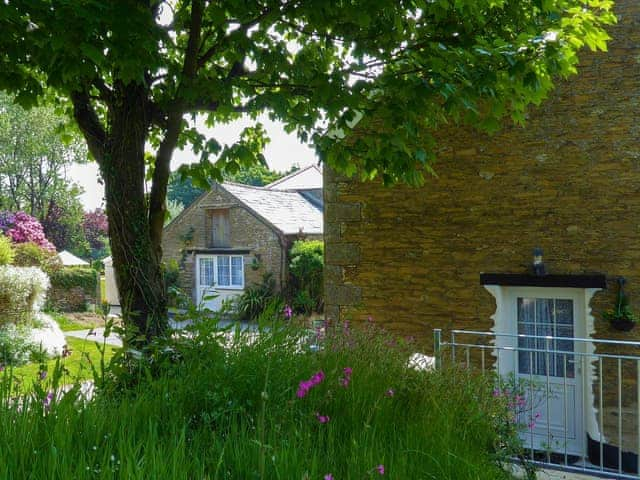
306, 267
257, 175
72, 288
62, 224
623, 312
181, 190
256, 298
69, 277
171, 271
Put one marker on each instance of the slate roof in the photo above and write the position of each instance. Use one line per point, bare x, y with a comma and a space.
308, 178
288, 211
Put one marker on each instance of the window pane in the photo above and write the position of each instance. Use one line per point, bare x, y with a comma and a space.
237, 271
564, 312
224, 271
526, 326
206, 272
546, 317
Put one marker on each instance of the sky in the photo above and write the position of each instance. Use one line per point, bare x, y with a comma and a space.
281, 153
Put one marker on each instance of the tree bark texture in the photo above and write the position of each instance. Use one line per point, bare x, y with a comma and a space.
136, 255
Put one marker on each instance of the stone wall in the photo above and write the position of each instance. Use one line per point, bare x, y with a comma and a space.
569, 182
189, 232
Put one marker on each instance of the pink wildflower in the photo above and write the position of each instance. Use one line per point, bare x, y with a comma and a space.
322, 418
344, 381
288, 312
328, 476
42, 375
306, 385
390, 393
380, 469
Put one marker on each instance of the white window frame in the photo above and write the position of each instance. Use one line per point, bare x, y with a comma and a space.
216, 284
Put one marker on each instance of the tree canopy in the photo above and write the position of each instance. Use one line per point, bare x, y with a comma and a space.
35, 153
137, 72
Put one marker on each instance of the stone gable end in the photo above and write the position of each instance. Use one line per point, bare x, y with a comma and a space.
189, 231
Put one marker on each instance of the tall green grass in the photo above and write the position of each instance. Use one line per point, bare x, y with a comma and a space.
210, 406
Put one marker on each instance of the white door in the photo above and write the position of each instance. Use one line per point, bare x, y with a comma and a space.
547, 370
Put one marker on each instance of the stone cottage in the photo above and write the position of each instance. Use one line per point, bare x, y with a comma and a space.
457, 253
233, 234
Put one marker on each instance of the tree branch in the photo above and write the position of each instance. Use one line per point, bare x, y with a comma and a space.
106, 94
206, 56
173, 125
89, 124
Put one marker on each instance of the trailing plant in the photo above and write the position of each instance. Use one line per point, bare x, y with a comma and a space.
306, 269
622, 315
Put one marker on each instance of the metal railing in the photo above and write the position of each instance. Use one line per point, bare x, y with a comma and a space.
567, 393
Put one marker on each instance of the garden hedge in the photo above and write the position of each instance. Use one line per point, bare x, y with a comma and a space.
73, 288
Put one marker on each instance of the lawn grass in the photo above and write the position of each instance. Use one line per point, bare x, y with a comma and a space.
203, 408
77, 366
67, 324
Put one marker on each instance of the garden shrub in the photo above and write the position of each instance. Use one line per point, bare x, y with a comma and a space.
256, 298
171, 272
30, 254
16, 345
6, 251
306, 267
72, 288
21, 227
22, 292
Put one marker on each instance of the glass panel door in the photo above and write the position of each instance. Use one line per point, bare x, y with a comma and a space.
545, 317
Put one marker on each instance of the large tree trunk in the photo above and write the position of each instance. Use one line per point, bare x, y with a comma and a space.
136, 257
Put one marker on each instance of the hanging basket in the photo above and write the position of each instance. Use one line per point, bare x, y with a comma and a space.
623, 324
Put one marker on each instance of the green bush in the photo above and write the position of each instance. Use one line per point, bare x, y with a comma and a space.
171, 273
6, 251
16, 346
207, 405
306, 267
22, 292
72, 288
31, 255
256, 298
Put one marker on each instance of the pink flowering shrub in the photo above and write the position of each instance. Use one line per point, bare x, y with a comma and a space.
21, 227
